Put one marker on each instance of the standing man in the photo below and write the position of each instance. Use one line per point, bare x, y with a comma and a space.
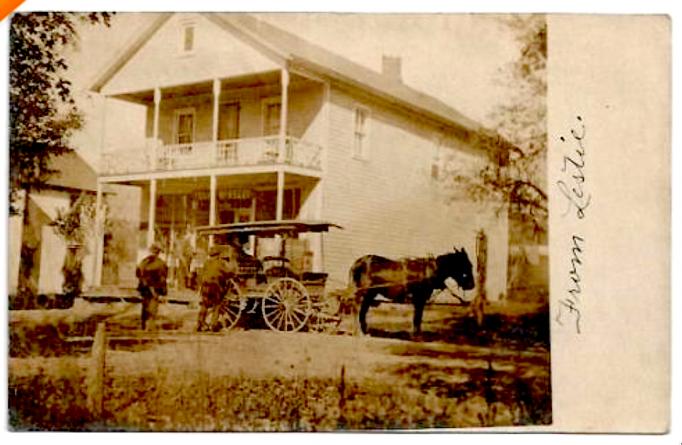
152, 274
214, 275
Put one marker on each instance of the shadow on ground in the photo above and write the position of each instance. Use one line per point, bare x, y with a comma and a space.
525, 330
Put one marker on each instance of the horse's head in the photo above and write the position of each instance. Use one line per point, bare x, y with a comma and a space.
458, 266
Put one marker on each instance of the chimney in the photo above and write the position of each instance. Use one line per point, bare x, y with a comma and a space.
391, 68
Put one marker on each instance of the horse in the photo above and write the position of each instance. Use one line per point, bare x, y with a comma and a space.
371, 275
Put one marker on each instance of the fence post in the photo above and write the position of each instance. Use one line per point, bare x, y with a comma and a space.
481, 268
95, 377
341, 422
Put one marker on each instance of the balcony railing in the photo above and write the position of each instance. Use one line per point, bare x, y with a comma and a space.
227, 153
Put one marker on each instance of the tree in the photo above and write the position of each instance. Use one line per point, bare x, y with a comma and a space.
43, 114
74, 225
518, 138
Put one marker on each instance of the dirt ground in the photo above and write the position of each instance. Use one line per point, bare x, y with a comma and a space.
453, 361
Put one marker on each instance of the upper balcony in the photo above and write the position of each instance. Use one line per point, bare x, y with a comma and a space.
244, 152
253, 124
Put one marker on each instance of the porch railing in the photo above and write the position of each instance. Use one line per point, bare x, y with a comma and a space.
227, 153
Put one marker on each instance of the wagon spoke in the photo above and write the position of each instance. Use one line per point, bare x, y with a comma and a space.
282, 320
230, 308
293, 316
231, 312
300, 311
286, 305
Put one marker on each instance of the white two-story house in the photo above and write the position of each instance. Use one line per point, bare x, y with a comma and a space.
245, 121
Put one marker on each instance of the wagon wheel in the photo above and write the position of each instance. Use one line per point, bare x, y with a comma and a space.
325, 317
286, 306
227, 312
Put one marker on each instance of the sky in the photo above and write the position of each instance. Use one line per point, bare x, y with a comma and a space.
453, 57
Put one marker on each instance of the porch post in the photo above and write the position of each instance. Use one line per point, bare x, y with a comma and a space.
212, 206
216, 111
283, 116
152, 212
318, 257
99, 236
280, 194
157, 107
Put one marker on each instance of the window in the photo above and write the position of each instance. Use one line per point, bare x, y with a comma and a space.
228, 121
184, 126
437, 161
360, 133
272, 109
266, 204
187, 35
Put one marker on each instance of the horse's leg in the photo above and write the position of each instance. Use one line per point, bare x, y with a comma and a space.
419, 300
367, 300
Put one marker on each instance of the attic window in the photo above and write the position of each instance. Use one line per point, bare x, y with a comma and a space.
187, 38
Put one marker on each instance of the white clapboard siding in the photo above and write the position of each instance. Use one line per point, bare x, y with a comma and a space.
159, 62
389, 204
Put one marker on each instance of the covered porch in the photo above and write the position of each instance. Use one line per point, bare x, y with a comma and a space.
171, 208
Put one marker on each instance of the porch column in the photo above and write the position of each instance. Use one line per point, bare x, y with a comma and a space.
318, 253
280, 194
216, 114
284, 106
157, 107
212, 206
151, 220
99, 236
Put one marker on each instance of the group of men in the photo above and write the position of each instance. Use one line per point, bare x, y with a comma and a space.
152, 275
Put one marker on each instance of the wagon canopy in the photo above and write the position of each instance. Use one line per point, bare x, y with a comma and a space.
267, 229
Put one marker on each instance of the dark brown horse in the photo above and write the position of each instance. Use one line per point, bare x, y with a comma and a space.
372, 275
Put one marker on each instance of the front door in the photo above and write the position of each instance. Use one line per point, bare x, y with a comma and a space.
184, 126
228, 127
271, 117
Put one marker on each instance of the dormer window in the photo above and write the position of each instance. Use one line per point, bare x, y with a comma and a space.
187, 37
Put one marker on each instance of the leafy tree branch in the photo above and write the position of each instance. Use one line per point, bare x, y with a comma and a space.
43, 114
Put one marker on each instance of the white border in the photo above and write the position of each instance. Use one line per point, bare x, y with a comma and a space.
575, 6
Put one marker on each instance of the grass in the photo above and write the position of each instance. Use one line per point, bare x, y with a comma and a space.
161, 401
469, 376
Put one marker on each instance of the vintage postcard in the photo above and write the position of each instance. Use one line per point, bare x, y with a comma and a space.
339, 222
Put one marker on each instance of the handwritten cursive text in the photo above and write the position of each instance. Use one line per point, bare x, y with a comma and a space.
571, 303
572, 185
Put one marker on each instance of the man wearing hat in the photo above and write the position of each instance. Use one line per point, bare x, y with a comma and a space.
214, 275
152, 274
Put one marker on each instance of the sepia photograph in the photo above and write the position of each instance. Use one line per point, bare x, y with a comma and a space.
278, 222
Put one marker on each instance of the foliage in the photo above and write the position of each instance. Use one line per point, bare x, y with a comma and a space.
43, 114
75, 226
519, 141
77, 223
43, 402
198, 401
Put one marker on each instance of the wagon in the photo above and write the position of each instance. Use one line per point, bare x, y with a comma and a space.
288, 296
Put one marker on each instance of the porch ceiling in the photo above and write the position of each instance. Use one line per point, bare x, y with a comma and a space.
254, 80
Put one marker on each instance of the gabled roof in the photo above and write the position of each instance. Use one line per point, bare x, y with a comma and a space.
297, 52
128, 51
73, 172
